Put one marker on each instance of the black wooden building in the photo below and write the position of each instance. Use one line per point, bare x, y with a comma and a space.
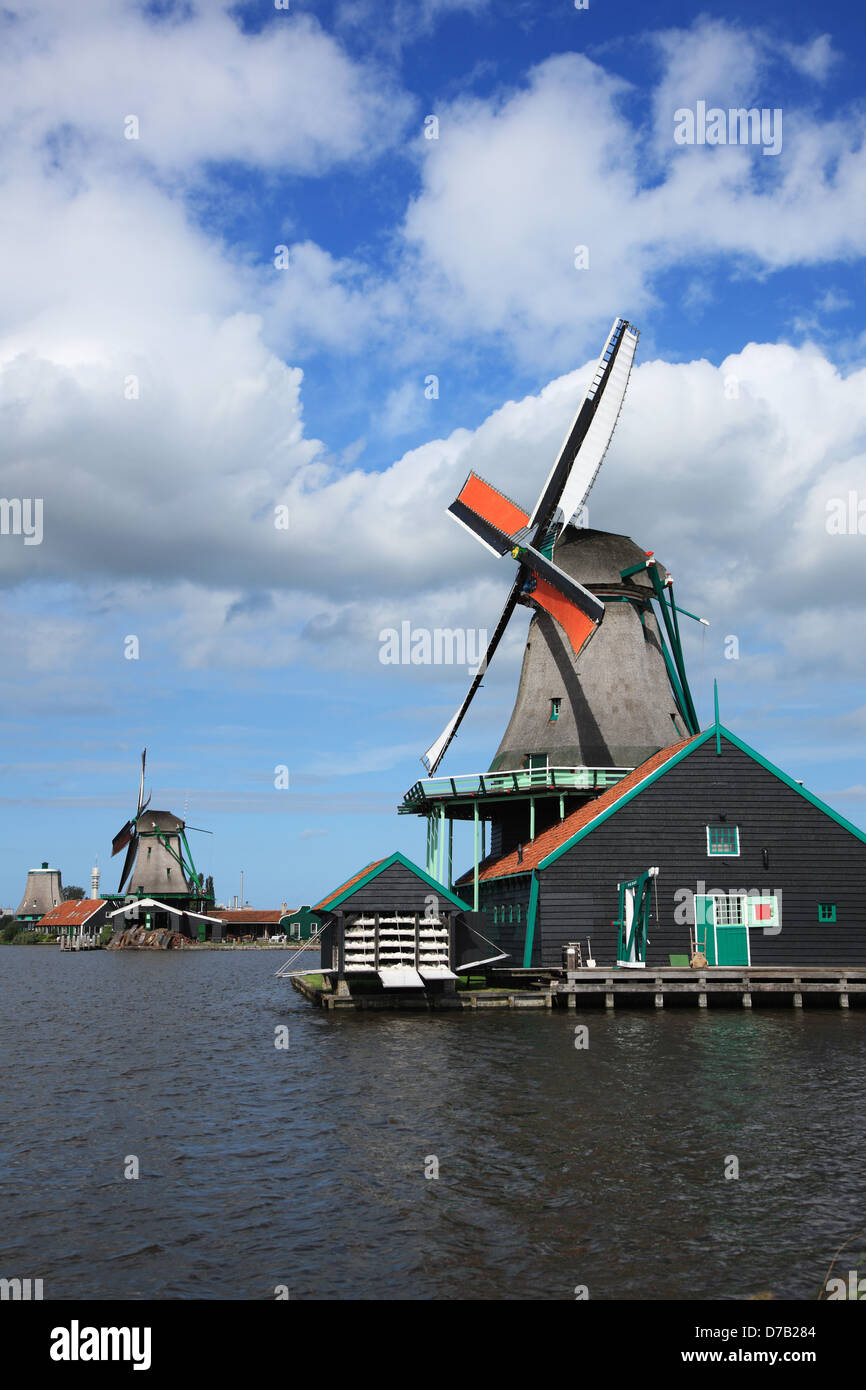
393, 927
748, 856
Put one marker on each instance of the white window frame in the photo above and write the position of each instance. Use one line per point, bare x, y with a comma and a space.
723, 853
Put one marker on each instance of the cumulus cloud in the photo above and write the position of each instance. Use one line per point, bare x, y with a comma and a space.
149, 394
200, 87
517, 181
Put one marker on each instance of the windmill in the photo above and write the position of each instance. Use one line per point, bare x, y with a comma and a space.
603, 684
619, 698
158, 860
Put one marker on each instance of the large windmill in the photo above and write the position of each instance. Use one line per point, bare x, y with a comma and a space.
600, 688
158, 863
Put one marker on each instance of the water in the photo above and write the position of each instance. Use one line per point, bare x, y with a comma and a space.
305, 1168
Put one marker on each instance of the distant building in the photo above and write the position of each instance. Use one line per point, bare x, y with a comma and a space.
77, 917
151, 914
249, 923
43, 892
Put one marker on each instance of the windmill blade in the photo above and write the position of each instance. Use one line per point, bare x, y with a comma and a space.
199, 829
435, 753
577, 626
141, 784
598, 436
573, 592
552, 492
122, 837
490, 516
128, 862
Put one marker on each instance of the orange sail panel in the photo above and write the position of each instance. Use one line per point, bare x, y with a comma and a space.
577, 627
485, 501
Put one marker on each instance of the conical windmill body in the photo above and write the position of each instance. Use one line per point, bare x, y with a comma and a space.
43, 891
158, 861
600, 688
611, 704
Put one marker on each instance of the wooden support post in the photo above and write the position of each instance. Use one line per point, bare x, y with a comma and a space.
532, 818
659, 1000
440, 877
475, 881
702, 1001
797, 999
608, 1000
747, 1001
843, 1000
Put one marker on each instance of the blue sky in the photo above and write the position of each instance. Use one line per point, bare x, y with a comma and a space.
152, 260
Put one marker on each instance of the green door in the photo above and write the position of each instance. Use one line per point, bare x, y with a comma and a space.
732, 929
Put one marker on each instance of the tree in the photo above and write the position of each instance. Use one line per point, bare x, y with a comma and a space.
72, 893
208, 887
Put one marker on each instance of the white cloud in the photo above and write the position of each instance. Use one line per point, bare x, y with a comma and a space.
171, 503
201, 88
515, 182
815, 59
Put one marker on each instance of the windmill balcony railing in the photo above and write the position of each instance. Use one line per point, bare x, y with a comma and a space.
536, 779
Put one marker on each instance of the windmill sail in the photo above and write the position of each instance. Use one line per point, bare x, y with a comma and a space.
597, 439
621, 334
128, 863
435, 753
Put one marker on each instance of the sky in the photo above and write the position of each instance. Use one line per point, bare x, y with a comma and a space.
273, 280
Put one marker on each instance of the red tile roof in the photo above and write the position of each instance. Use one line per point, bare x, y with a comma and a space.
349, 881
247, 916
71, 913
556, 835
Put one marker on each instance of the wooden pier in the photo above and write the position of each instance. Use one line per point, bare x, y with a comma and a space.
717, 987
79, 941
744, 986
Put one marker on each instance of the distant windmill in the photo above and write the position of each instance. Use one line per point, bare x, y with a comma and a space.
158, 862
616, 701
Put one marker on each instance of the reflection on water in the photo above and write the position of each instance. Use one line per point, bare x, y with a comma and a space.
557, 1166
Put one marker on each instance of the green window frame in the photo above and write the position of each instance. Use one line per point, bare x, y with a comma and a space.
826, 912
495, 915
723, 840
555, 707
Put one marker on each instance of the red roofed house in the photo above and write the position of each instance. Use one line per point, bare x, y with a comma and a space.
76, 918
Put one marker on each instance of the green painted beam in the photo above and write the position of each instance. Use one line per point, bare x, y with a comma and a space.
530, 921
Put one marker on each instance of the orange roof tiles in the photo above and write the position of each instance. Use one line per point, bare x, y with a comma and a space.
71, 913
556, 835
349, 881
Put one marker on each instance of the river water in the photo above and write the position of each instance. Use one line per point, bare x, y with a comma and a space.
558, 1168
